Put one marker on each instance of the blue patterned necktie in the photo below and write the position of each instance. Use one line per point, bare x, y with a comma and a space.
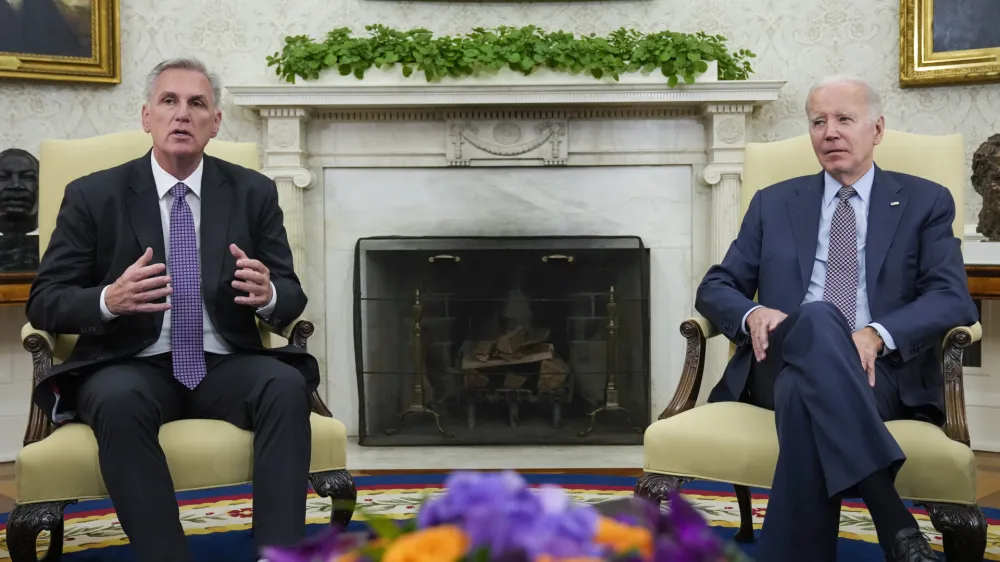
187, 342
841, 286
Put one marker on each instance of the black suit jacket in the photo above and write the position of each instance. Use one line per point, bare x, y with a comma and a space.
106, 221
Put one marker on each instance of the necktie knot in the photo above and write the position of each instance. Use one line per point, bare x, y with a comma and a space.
845, 193
179, 190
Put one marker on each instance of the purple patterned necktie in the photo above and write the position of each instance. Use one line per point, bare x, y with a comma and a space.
187, 342
841, 287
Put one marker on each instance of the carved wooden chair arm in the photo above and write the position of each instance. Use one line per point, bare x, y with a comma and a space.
40, 344
696, 330
297, 333
956, 425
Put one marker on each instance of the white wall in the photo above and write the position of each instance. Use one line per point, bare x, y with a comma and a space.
795, 40
15, 382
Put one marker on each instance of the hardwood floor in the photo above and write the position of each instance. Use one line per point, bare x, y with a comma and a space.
987, 488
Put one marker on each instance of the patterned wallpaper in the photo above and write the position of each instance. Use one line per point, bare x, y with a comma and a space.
795, 40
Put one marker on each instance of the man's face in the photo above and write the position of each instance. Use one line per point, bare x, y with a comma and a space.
842, 132
181, 115
18, 187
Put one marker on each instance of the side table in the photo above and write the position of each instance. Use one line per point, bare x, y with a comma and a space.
14, 288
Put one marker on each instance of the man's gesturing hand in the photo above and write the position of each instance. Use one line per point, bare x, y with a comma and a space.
256, 279
869, 345
760, 324
137, 288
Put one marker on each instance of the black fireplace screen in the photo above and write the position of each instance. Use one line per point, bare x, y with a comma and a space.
502, 340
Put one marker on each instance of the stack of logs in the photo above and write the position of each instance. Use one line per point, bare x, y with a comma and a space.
520, 350
519, 366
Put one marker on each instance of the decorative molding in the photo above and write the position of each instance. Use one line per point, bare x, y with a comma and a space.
712, 174
728, 93
517, 141
472, 113
713, 108
302, 178
299, 112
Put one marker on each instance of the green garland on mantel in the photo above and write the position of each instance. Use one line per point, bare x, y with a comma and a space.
678, 56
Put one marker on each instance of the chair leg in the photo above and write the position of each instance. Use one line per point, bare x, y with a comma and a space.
339, 487
657, 487
745, 534
963, 530
27, 521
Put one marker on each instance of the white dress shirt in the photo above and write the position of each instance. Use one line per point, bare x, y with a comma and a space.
817, 282
214, 343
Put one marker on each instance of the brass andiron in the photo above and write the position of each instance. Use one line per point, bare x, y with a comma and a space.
417, 403
611, 386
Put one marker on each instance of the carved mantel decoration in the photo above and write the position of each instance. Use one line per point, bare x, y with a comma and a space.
522, 125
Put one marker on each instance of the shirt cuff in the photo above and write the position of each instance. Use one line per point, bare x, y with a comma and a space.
890, 344
265, 311
743, 324
105, 313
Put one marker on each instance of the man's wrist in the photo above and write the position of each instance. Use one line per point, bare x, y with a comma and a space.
878, 337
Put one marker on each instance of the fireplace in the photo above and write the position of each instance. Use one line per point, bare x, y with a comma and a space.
502, 340
354, 159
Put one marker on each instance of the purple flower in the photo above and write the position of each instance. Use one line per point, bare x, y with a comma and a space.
319, 547
691, 530
500, 512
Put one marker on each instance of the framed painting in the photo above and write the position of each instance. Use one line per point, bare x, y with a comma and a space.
60, 40
948, 42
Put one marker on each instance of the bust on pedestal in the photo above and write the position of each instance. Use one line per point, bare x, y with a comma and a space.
18, 211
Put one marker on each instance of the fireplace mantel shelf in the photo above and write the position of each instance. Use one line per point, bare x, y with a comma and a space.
416, 95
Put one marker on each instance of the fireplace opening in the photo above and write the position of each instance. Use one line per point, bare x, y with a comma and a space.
502, 340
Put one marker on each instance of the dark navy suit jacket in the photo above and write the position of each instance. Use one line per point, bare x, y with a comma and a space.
916, 282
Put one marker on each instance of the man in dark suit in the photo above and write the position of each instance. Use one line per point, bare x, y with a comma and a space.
163, 265
858, 276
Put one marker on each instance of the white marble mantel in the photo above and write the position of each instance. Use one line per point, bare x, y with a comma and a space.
552, 121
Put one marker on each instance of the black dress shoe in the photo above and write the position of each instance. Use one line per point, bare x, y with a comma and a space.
911, 546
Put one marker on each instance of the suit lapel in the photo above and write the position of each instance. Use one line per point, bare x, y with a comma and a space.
216, 209
143, 203
884, 212
804, 212
144, 209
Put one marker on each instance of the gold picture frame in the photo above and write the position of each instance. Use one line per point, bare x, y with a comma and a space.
920, 64
79, 23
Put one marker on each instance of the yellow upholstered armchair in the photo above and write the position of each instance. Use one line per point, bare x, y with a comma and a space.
59, 466
736, 443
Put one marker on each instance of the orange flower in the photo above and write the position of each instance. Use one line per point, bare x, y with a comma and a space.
446, 543
624, 538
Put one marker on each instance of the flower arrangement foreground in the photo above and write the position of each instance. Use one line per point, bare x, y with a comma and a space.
497, 517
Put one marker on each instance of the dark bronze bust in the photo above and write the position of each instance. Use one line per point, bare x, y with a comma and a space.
18, 192
18, 211
986, 181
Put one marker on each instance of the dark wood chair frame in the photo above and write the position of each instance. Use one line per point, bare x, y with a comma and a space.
963, 528
28, 520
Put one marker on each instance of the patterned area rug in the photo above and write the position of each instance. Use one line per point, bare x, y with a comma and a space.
217, 521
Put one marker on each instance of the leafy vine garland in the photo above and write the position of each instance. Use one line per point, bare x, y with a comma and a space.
678, 56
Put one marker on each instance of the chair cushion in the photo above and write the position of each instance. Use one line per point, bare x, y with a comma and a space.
737, 443
200, 453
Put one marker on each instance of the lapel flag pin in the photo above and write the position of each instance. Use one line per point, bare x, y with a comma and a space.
894, 203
